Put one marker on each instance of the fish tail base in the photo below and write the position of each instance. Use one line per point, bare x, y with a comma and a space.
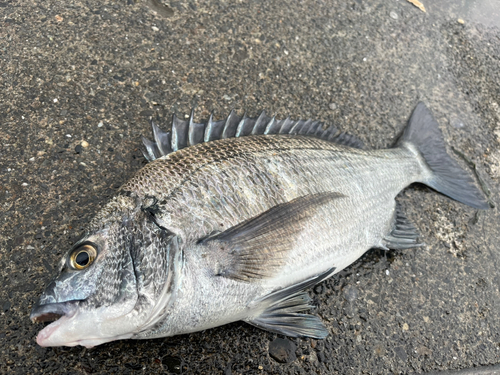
446, 176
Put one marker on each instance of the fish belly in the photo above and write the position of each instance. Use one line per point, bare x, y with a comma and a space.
344, 229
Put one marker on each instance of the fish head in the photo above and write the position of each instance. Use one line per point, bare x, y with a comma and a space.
106, 285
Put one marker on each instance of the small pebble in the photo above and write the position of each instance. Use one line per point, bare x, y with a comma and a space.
387, 272
172, 364
282, 350
24, 184
394, 15
84, 144
78, 149
460, 21
457, 123
32, 159
332, 106
350, 293
155, 28
100, 124
68, 135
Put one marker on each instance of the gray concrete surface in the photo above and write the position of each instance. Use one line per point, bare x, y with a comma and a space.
93, 71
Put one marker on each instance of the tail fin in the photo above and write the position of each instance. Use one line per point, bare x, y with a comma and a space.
447, 177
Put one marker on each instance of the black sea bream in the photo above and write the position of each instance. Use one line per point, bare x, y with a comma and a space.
234, 220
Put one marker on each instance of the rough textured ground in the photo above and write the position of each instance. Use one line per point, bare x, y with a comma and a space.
96, 72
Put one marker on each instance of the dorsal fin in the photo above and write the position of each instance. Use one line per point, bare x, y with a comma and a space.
189, 133
231, 125
196, 131
348, 140
213, 129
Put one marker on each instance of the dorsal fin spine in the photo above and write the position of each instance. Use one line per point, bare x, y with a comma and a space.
241, 126
230, 125
148, 150
295, 126
260, 125
188, 133
270, 125
175, 134
304, 130
157, 136
208, 128
191, 132
314, 127
285, 127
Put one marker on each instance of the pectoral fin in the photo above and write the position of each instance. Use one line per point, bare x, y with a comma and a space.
257, 248
283, 312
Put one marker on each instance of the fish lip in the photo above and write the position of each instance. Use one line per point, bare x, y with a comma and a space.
53, 311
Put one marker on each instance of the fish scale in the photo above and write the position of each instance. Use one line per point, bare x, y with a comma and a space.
234, 220
297, 173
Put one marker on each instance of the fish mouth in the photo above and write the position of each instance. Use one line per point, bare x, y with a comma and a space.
59, 314
48, 317
73, 326
53, 311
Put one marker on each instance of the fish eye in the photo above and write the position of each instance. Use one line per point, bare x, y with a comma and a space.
83, 256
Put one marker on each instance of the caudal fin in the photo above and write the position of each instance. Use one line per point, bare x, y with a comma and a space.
447, 176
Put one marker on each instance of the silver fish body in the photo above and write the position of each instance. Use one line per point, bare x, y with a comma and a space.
234, 221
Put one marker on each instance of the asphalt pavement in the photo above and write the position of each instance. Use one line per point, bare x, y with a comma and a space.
80, 80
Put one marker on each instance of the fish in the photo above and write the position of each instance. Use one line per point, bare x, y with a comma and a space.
234, 220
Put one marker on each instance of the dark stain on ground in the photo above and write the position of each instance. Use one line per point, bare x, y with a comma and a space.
80, 80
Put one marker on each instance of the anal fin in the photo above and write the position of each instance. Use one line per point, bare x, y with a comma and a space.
404, 235
283, 314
